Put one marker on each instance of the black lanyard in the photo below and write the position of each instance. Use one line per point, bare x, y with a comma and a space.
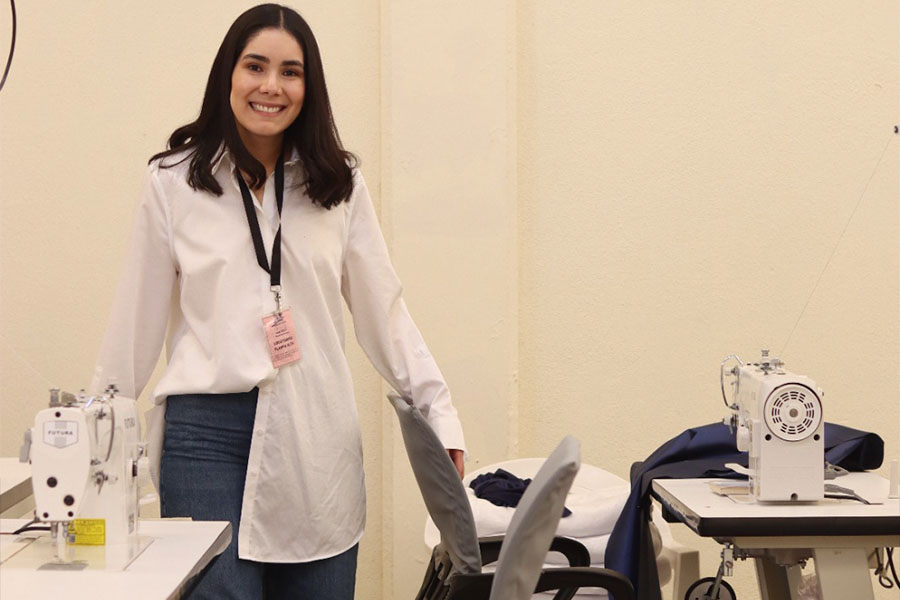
275, 271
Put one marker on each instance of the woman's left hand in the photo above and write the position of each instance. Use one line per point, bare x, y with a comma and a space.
457, 457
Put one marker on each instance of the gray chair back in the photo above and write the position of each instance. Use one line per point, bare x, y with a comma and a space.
534, 524
441, 488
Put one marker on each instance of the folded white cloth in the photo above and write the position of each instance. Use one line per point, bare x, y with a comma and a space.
596, 499
596, 546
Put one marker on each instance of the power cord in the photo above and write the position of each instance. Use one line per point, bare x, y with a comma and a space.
883, 568
28, 527
12, 44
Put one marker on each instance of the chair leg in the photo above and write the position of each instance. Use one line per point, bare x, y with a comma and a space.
685, 570
431, 576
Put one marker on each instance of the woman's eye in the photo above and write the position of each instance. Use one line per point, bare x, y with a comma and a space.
253, 67
292, 74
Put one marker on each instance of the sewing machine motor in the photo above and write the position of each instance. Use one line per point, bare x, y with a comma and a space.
778, 416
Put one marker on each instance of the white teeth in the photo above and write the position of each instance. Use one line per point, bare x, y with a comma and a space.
268, 109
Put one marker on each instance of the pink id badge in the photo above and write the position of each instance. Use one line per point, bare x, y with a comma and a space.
283, 346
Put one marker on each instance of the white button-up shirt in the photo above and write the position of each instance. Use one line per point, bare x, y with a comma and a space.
192, 266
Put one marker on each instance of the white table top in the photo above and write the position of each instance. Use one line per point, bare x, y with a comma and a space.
710, 514
15, 482
179, 550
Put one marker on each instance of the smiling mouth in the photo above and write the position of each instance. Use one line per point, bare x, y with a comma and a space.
266, 109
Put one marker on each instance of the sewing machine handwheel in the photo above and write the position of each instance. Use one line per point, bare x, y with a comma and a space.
700, 589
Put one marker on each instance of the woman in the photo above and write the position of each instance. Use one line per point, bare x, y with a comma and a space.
252, 226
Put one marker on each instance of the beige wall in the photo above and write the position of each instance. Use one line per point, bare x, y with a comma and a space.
590, 205
686, 172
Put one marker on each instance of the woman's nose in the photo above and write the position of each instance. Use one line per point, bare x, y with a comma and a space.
270, 83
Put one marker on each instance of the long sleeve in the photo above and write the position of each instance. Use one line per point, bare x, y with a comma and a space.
137, 324
384, 328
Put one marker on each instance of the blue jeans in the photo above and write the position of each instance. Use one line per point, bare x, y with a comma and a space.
204, 465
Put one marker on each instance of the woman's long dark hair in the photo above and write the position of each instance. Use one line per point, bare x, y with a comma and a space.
329, 179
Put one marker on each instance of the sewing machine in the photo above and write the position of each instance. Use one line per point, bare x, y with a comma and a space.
87, 463
84, 453
778, 418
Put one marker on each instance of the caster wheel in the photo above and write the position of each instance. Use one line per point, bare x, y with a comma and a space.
701, 588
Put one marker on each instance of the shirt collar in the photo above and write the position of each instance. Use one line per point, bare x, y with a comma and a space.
223, 154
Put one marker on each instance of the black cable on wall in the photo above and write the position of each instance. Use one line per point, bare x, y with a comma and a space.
12, 44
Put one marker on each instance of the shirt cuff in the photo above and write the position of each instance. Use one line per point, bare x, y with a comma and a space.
449, 431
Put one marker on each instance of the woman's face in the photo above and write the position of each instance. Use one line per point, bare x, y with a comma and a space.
267, 86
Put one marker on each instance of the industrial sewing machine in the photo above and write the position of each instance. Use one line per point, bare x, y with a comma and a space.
84, 453
778, 418
794, 514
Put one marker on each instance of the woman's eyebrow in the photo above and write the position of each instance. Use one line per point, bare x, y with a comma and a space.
258, 57
265, 59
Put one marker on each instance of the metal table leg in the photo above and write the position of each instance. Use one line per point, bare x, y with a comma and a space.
843, 573
777, 582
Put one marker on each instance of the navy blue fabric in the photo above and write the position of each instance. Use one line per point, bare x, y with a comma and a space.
703, 452
502, 488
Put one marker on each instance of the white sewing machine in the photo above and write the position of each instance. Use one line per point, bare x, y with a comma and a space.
778, 417
84, 453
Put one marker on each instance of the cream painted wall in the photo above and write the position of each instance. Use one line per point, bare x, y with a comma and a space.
590, 205
702, 165
692, 176
449, 204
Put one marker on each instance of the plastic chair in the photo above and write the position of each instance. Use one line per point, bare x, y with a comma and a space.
455, 569
596, 499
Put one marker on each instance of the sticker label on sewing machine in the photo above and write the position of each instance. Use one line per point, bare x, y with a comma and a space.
60, 433
88, 532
